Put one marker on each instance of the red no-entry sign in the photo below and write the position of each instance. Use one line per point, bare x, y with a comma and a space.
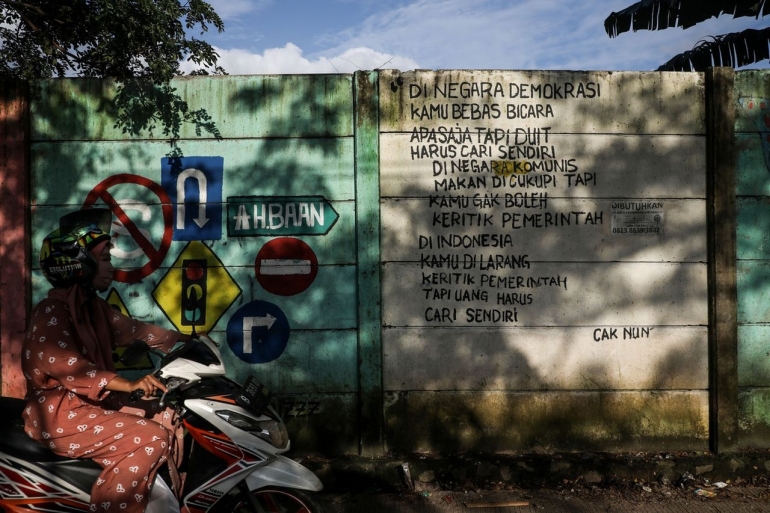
286, 266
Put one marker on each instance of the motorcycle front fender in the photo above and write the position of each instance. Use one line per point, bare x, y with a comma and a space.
285, 472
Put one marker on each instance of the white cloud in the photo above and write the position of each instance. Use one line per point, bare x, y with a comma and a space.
289, 60
526, 34
475, 34
362, 58
466, 34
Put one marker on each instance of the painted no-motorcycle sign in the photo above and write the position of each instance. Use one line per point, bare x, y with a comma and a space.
147, 249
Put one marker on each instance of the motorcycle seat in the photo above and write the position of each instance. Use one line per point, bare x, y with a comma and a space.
14, 441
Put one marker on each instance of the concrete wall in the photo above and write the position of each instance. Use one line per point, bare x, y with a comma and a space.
544, 260
14, 232
287, 159
434, 260
752, 128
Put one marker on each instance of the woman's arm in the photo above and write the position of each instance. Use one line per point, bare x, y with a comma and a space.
148, 384
51, 356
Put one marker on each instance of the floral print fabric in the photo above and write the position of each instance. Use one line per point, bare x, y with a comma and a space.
70, 411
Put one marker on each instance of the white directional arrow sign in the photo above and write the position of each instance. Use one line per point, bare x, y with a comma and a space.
252, 216
254, 322
272, 332
200, 177
194, 185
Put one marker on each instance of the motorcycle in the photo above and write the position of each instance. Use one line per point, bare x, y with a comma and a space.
233, 448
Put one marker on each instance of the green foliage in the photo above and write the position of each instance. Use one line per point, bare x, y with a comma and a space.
140, 43
143, 105
735, 50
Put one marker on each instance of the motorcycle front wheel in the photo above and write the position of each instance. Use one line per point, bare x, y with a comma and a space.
282, 500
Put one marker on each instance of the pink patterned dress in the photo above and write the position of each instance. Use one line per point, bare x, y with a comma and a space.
69, 410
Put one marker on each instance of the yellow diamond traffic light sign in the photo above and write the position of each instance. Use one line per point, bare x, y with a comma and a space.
197, 289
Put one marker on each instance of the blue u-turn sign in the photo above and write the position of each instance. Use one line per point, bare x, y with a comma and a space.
194, 185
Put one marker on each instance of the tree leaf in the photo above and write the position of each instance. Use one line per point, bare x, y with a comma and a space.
733, 50
140, 43
663, 14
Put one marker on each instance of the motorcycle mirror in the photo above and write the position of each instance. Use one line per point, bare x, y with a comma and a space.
134, 353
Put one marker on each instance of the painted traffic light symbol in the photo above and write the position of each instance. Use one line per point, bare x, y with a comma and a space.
197, 290
194, 274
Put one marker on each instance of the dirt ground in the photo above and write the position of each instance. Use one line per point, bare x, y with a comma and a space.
452, 486
577, 499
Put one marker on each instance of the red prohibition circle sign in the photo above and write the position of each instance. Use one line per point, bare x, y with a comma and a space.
155, 256
286, 266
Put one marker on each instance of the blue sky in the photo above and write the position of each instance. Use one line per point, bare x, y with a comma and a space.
330, 36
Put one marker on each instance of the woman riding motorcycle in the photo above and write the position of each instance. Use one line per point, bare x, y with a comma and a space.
76, 402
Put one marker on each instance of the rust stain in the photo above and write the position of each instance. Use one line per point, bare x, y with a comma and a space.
14, 222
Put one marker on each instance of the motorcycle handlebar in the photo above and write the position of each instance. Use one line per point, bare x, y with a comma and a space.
136, 395
139, 393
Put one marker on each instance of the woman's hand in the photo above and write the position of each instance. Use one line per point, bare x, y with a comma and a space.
147, 384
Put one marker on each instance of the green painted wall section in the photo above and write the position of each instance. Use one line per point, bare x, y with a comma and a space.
262, 166
282, 136
371, 440
243, 106
752, 136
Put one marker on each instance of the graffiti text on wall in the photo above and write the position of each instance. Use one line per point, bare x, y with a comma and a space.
444, 100
250, 216
496, 171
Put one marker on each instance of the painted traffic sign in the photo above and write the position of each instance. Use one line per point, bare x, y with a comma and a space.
130, 226
258, 332
115, 301
194, 185
251, 216
286, 266
197, 290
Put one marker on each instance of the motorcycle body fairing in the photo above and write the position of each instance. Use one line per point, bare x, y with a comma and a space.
221, 457
46, 486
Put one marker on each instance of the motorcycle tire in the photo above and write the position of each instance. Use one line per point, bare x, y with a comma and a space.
283, 500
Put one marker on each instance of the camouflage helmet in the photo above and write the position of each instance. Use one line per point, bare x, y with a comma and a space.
65, 255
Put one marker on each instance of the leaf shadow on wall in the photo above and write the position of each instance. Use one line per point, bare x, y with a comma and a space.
303, 147
298, 150
614, 360
753, 271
